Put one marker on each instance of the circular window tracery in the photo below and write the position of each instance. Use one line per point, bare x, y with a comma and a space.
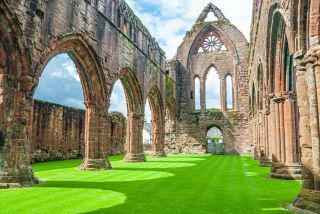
212, 43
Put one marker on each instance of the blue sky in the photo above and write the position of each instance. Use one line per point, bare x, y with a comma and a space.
167, 21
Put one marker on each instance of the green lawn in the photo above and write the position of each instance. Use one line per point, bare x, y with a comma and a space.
176, 184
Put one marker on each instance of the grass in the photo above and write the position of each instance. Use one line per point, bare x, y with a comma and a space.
176, 184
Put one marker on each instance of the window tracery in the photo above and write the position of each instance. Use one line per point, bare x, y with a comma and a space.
211, 43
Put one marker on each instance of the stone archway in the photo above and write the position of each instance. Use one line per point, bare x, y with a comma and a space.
158, 122
94, 92
214, 140
135, 119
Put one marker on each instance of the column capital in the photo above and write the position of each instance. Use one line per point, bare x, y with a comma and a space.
89, 104
135, 115
304, 60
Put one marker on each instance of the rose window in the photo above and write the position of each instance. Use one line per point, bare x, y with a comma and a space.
212, 43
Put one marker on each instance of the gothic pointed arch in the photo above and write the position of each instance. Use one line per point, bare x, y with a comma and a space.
84, 57
158, 121
210, 39
135, 117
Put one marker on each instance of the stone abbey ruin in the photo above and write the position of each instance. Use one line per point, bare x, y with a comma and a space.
274, 115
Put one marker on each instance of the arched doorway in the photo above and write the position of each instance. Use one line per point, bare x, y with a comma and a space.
214, 140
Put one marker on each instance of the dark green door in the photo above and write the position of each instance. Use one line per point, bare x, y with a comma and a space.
215, 148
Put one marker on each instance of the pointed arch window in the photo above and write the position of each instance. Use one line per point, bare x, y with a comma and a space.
213, 90
229, 90
197, 93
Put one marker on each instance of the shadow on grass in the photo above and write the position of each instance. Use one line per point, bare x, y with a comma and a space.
205, 184
56, 165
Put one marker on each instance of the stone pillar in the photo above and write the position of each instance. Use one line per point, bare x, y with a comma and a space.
134, 150
158, 138
285, 165
265, 159
203, 94
309, 197
16, 132
223, 95
314, 122
273, 134
255, 139
95, 158
291, 141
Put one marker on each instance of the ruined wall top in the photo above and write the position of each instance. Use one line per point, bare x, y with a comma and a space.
117, 13
215, 10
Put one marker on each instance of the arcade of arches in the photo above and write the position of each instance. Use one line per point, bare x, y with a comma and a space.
264, 99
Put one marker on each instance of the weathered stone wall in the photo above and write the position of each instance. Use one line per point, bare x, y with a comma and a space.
191, 125
118, 129
284, 92
107, 42
58, 133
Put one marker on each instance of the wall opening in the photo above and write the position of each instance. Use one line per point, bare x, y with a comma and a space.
229, 91
148, 127
58, 128
118, 112
118, 99
60, 83
211, 17
197, 93
213, 90
214, 141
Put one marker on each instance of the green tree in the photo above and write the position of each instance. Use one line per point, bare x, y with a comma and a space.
215, 139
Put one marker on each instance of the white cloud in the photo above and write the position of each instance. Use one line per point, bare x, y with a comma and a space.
213, 90
169, 20
66, 70
118, 99
71, 70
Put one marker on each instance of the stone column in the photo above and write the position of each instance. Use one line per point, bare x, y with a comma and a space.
266, 159
255, 138
273, 134
291, 141
314, 122
203, 94
95, 158
285, 167
134, 150
157, 138
309, 197
16, 131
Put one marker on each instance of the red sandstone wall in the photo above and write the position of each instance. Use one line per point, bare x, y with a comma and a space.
118, 128
58, 132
